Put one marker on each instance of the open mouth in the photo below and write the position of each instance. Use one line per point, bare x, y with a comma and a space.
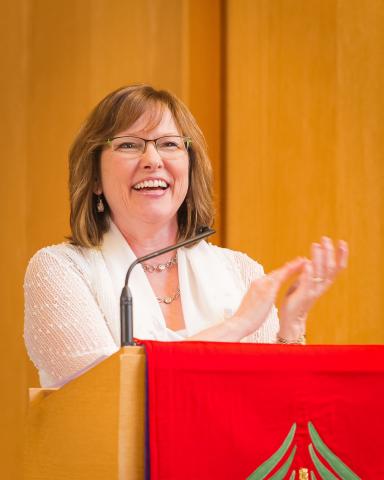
148, 185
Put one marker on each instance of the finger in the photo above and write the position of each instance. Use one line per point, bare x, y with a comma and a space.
307, 287
292, 288
329, 258
342, 254
306, 276
307, 280
291, 268
317, 260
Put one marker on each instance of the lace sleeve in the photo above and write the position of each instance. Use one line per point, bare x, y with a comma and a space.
65, 332
250, 270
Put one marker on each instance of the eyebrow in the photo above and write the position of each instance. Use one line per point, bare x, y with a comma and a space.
139, 135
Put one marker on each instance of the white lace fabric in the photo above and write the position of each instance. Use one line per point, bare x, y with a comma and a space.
72, 312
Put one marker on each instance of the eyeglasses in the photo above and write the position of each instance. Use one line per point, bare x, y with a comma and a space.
172, 146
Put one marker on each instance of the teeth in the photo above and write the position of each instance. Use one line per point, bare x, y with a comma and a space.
150, 184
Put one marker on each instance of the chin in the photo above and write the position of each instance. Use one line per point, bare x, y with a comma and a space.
158, 216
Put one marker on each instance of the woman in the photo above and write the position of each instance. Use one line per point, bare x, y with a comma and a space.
140, 180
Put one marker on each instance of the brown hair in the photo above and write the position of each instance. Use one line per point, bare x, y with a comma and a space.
116, 112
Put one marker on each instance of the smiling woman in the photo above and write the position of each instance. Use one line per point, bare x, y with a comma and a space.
140, 179
136, 111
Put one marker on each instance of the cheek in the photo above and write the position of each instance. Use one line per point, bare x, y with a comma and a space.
115, 175
183, 179
181, 190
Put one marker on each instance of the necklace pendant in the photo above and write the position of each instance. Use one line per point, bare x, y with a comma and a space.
167, 300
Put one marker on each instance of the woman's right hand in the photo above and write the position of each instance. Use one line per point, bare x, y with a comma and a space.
260, 297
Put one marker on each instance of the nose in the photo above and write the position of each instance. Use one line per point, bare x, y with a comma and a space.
151, 159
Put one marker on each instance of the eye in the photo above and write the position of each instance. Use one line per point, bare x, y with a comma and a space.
127, 146
169, 143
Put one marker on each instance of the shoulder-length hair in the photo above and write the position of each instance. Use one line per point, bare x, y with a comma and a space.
115, 113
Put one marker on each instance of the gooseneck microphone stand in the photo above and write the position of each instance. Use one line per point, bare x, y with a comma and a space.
126, 302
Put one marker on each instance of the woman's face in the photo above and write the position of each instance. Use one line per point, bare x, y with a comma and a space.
122, 177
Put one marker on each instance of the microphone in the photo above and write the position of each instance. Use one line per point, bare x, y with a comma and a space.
126, 302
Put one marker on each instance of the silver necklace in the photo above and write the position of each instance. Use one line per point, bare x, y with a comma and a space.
160, 267
169, 298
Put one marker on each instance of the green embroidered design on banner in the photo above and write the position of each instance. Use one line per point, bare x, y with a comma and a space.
324, 473
334, 461
316, 449
280, 474
266, 467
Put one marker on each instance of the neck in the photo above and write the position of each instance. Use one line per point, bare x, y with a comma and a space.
144, 238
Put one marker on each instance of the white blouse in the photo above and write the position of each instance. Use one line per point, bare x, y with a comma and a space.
72, 315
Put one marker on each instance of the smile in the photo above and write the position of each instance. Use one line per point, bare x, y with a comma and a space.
151, 185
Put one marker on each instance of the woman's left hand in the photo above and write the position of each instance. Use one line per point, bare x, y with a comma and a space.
317, 276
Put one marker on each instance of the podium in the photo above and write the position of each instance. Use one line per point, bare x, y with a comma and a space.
215, 410
93, 427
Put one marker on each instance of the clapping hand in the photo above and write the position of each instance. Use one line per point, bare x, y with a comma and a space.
317, 275
314, 277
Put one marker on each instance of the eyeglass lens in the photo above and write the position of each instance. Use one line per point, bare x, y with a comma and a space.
171, 146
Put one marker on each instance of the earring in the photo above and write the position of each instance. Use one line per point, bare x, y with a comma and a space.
100, 204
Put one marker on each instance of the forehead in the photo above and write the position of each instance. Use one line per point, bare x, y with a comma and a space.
154, 121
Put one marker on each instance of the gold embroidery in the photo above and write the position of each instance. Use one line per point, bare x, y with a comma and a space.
303, 474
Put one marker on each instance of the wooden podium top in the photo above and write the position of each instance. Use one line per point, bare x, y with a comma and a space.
92, 427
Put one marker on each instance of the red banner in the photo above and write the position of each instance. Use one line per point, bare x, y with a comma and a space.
225, 411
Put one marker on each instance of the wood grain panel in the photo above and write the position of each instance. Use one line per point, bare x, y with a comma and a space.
360, 165
303, 149
13, 88
205, 92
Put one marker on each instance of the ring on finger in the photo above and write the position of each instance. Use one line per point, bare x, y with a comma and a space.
317, 279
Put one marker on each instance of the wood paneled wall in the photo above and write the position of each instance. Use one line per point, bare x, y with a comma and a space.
289, 94
13, 188
305, 146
